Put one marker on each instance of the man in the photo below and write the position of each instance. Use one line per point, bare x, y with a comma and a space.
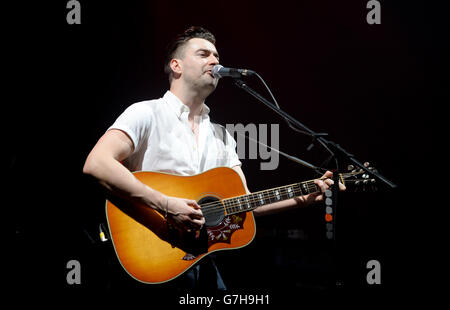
174, 134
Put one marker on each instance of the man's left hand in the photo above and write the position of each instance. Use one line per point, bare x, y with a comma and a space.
324, 183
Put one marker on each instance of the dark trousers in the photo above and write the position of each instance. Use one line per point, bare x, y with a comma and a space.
203, 276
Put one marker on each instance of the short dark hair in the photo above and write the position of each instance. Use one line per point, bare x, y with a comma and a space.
176, 46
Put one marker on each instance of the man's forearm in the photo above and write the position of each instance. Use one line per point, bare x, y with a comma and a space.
119, 181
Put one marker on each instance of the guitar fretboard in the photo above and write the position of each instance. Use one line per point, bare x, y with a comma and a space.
252, 201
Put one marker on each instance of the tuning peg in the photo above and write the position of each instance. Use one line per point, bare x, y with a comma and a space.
350, 167
366, 164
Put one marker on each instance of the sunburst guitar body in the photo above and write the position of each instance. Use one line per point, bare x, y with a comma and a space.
152, 251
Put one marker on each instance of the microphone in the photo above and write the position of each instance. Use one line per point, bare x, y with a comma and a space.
220, 71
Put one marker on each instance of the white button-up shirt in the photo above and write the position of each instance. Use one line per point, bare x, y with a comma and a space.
163, 139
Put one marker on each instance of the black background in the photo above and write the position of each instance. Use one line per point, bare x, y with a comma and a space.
363, 84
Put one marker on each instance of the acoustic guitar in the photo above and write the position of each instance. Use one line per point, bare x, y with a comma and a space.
153, 251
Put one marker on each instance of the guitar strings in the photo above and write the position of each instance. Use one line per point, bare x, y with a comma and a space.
310, 184
253, 197
252, 194
231, 205
236, 207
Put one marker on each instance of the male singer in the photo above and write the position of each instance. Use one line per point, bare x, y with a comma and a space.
174, 134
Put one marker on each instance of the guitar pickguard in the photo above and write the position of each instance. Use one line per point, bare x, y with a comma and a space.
223, 231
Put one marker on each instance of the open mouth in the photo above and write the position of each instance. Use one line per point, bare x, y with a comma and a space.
209, 72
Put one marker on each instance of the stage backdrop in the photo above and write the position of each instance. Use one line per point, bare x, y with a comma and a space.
360, 82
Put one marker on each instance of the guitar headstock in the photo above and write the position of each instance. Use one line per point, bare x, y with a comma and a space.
359, 179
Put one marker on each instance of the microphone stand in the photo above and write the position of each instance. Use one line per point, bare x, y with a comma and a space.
335, 150
337, 153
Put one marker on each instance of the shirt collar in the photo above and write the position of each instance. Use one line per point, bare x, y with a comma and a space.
179, 107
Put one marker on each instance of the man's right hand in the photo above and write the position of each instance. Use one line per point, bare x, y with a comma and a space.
184, 213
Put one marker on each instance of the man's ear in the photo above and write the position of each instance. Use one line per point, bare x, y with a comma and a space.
176, 66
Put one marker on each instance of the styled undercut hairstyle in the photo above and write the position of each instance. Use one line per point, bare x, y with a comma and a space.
176, 48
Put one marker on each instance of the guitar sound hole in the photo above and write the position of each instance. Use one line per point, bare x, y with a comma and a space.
213, 214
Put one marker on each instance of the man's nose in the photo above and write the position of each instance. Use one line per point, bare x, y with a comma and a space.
213, 60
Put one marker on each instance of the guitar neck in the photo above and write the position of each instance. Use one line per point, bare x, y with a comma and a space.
252, 201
